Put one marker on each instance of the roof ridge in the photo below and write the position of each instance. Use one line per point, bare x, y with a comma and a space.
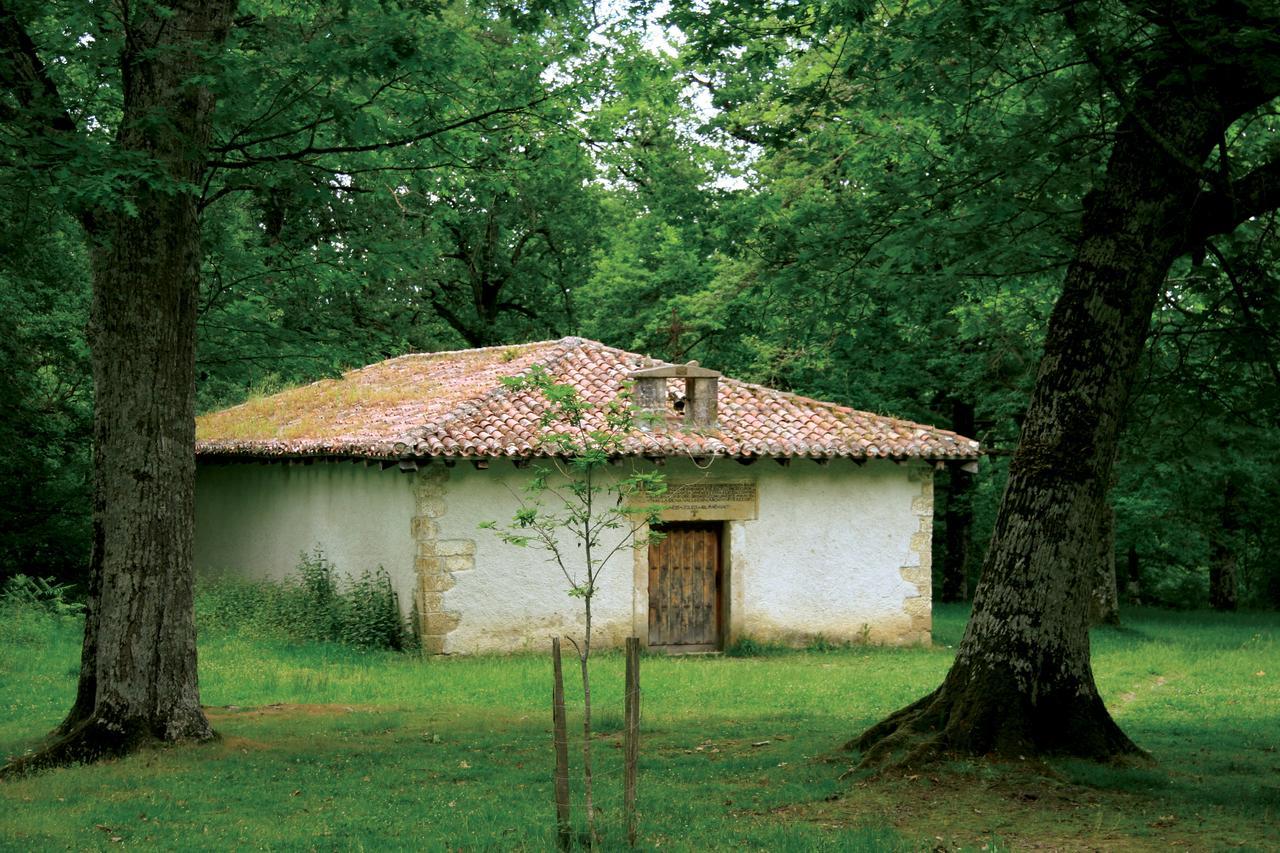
489, 348
827, 404
475, 405
456, 403
395, 358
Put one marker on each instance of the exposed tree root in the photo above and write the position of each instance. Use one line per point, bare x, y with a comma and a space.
992, 718
97, 739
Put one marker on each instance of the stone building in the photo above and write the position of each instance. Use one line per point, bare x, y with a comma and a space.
786, 517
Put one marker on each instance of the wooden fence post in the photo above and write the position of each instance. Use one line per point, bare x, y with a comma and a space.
631, 735
560, 739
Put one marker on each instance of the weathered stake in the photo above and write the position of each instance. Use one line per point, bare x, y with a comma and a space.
631, 735
560, 738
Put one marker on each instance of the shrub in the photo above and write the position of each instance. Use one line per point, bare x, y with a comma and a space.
259, 610
40, 594
34, 611
311, 605
1179, 587
317, 610
370, 614
820, 644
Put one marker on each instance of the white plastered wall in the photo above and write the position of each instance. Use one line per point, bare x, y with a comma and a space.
838, 550
830, 552
253, 520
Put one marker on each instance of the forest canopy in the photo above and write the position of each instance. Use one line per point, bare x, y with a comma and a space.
867, 204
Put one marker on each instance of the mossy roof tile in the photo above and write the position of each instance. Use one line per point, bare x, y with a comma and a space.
455, 404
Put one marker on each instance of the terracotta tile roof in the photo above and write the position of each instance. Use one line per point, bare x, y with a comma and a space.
454, 404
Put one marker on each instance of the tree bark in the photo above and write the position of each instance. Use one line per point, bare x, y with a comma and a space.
1222, 561
958, 515
138, 664
1022, 682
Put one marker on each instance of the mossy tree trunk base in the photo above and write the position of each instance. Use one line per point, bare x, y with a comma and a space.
101, 737
991, 716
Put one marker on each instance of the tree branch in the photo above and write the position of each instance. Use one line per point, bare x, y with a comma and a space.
310, 127
1251, 321
459, 325
24, 74
518, 309
312, 150
1214, 213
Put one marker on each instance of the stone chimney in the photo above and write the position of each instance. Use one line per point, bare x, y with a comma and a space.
701, 391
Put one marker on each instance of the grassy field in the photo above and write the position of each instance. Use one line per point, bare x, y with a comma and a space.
325, 748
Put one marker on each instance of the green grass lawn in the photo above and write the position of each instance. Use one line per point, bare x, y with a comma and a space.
326, 748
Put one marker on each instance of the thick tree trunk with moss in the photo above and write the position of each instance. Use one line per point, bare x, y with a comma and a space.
1022, 682
138, 666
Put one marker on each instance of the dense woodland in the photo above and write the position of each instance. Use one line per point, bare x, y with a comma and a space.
1052, 227
871, 205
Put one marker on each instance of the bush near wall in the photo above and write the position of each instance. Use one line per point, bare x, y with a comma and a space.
315, 604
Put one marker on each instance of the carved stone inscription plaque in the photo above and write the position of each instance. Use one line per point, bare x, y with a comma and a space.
710, 501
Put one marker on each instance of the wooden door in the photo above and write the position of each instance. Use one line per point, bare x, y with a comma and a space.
684, 587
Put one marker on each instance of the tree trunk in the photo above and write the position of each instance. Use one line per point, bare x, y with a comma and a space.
1022, 682
585, 658
1104, 603
1133, 588
958, 515
1222, 562
138, 663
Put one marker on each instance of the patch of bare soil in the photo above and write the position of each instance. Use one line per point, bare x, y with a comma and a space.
1021, 806
224, 712
234, 743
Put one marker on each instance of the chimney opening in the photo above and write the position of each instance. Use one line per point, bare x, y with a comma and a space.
698, 407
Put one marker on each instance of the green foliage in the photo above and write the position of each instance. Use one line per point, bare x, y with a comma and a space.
750, 647
913, 197
253, 609
371, 616
317, 605
1208, 396
821, 645
330, 244
27, 627
42, 594
34, 611
314, 605
870, 205
45, 419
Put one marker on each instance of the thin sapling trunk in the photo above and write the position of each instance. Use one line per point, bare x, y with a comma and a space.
568, 522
